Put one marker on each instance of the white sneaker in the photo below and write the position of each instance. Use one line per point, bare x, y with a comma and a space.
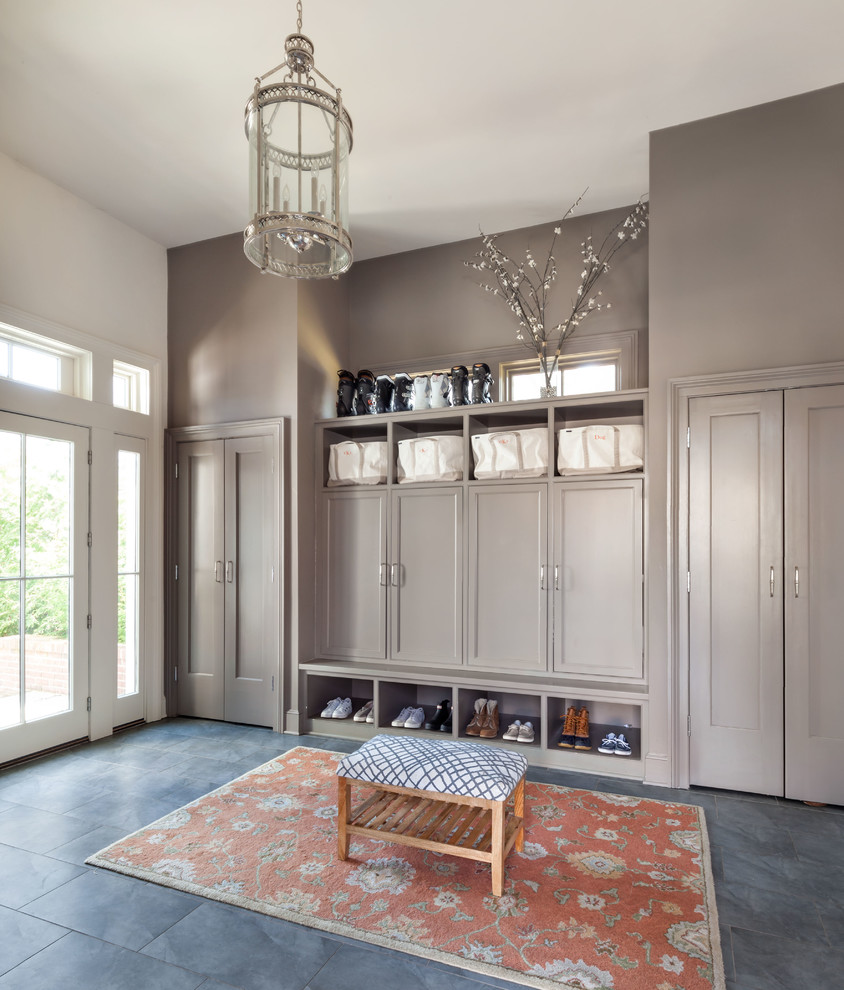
402, 717
362, 713
330, 708
512, 731
415, 719
526, 733
344, 709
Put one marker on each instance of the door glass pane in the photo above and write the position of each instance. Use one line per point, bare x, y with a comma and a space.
128, 571
47, 647
48, 504
10, 504
10, 658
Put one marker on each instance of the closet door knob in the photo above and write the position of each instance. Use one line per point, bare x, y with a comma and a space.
796, 582
542, 577
218, 571
230, 571
394, 572
556, 577
772, 581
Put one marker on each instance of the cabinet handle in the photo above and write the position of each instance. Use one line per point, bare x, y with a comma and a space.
230, 571
218, 571
772, 581
542, 577
382, 575
796, 582
394, 568
556, 577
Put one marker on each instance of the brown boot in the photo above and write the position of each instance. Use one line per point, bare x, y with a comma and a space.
569, 729
478, 719
582, 739
490, 730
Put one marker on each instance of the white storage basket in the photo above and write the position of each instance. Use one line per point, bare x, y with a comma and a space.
512, 454
353, 463
601, 449
438, 458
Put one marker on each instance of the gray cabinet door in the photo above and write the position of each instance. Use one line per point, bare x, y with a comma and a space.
735, 598
814, 594
201, 580
251, 637
355, 573
597, 578
508, 576
426, 576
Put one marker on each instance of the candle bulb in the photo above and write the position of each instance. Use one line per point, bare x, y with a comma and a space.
314, 194
286, 193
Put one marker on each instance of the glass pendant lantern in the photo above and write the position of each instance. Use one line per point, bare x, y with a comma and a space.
300, 138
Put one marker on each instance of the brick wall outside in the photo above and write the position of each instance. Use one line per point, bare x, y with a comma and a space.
46, 665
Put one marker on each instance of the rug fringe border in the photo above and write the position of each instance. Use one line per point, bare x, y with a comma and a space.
424, 952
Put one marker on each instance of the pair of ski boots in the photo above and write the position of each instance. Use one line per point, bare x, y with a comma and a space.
363, 394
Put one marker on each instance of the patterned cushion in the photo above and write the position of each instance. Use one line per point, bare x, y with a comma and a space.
444, 767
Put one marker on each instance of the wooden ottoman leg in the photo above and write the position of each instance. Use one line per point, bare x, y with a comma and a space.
498, 848
519, 811
343, 814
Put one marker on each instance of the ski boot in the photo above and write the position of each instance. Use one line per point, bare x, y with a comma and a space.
440, 390
481, 381
384, 389
459, 385
421, 392
402, 392
364, 393
345, 393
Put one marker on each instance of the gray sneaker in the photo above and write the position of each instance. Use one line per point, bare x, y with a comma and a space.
402, 717
344, 709
526, 733
361, 713
512, 731
415, 719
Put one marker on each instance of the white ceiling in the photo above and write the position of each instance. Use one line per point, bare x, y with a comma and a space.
466, 113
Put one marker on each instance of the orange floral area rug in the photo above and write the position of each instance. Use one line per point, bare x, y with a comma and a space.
611, 892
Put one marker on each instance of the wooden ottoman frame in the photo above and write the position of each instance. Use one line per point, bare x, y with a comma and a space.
475, 828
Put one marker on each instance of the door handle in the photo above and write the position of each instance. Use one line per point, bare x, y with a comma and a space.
796, 582
218, 571
556, 577
230, 571
772, 581
542, 577
394, 570
382, 575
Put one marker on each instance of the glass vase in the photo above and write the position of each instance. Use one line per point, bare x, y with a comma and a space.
547, 391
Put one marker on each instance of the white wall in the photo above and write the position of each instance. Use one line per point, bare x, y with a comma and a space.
63, 260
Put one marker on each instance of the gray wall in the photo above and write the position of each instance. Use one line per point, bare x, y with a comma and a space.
747, 211
426, 303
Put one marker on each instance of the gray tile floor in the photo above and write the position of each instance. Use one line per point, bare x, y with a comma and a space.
779, 869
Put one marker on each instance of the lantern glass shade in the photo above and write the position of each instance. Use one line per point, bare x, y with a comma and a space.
300, 138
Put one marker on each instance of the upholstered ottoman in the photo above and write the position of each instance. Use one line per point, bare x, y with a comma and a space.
450, 797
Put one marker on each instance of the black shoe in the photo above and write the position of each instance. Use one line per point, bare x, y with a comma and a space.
345, 394
403, 392
481, 381
459, 385
442, 713
446, 726
383, 393
364, 393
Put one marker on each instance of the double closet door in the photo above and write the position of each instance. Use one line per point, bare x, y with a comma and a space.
227, 599
766, 592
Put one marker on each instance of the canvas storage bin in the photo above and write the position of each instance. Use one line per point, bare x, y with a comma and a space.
511, 454
600, 449
438, 458
353, 463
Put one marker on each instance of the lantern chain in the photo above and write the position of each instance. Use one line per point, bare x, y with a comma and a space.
299, 16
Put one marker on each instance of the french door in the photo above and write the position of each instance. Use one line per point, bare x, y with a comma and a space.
43, 585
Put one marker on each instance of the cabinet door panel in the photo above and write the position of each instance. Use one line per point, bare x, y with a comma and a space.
426, 576
735, 602
250, 616
353, 606
814, 591
598, 616
508, 605
201, 585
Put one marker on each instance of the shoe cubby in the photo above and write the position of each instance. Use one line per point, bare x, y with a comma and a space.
507, 418
321, 689
393, 696
359, 429
511, 706
604, 717
452, 453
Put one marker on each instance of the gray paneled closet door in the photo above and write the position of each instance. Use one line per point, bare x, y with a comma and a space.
735, 597
814, 590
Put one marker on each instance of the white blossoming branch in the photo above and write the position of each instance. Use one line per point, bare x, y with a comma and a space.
525, 289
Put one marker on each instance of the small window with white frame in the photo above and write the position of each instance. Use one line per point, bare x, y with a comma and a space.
33, 360
130, 387
579, 374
